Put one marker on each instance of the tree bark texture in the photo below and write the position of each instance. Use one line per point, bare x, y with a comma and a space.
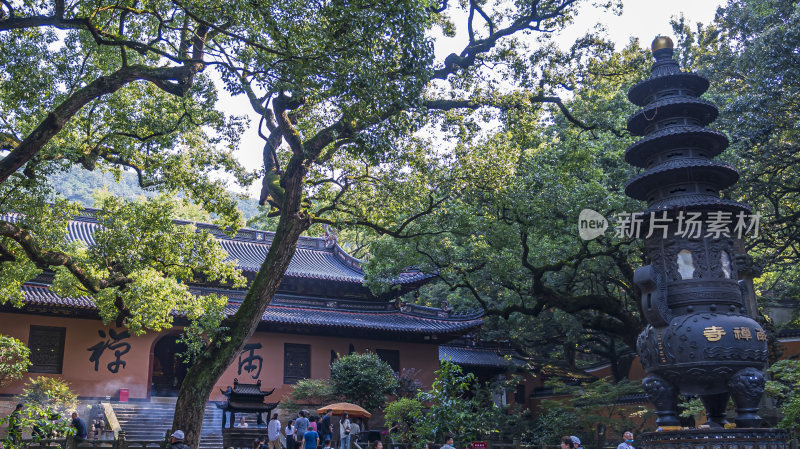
212, 363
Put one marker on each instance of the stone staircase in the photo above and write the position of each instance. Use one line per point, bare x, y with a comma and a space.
151, 421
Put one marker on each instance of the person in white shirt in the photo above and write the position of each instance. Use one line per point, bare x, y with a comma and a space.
274, 432
241, 423
344, 432
289, 432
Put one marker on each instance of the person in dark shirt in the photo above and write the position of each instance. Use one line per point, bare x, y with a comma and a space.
80, 427
325, 426
14, 426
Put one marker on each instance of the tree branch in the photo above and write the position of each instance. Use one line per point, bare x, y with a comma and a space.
103, 85
45, 259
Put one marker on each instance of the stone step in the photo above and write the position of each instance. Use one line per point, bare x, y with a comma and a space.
152, 420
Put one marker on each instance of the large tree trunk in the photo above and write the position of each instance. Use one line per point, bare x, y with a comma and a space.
213, 362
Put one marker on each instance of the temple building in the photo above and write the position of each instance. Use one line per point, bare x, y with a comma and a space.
322, 309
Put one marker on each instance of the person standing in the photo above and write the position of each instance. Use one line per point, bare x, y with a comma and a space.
326, 426
628, 443
289, 432
80, 427
393, 434
274, 432
300, 427
344, 431
566, 443
310, 439
576, 442
355, 432
242, 422
14, 426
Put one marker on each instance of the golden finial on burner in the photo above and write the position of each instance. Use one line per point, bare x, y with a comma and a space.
661, 42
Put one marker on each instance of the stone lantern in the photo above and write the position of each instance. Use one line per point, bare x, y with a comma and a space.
700, 339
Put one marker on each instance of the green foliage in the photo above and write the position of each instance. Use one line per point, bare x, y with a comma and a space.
362, 379
552, 423
140, 241
692, 408
313, 391
14, 359
180, 207
747, 54
50, 393
41, 422
785, 387
457, 405
598, 402
495, 218
90, 188
407, 413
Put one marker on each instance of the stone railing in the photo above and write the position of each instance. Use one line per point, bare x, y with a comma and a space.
69, 443
122, 443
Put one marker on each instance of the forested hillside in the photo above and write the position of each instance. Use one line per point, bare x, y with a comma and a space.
79, 185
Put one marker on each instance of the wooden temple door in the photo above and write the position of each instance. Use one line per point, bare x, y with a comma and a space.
168, 367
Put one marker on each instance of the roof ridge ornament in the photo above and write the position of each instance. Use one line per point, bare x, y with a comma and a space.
331, 236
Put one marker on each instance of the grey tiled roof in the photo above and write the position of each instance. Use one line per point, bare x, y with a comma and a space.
42, 295
788, 333
241, 390
315, 258
389, 320
317, 312
308, 263
476, 356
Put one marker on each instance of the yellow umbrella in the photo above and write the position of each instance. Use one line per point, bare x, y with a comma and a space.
341, 407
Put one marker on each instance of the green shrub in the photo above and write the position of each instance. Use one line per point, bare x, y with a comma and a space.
14, 359
49, 393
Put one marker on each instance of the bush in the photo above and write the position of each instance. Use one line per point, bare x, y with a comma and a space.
40, 422
556, 420
14, 359
363, 379
50, 393
457, 404
309, 392
785, 387
407, 413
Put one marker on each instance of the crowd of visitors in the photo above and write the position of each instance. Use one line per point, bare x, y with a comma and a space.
303, 432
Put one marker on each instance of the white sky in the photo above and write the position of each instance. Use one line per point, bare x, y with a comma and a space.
643, 19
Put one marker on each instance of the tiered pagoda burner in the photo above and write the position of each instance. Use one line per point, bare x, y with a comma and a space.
246, 398
699, 340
